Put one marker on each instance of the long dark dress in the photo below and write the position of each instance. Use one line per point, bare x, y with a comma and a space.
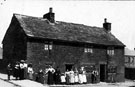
21, 71
40, 77
21, 74
50, 79
16, 71
93, 78
57, 77
67, 78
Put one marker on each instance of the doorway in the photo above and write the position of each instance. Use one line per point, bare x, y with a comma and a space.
102, 72
68, 67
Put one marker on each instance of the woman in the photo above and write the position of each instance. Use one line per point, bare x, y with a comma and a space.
72, 77
81, 75
67, 73
16, 70
57, 76
40, 76
76, 76
84, 77
30, 72
50, 72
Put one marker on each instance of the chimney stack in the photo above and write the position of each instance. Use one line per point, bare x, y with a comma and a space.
50, 10
107, 25
50, 15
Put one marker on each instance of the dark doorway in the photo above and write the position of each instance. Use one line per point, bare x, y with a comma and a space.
102, 72
69, 67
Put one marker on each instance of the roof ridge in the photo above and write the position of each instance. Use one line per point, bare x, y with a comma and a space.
36, 27
25, 15
60, 21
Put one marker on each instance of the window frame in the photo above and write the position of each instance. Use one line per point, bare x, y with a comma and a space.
88, 49
48, 46
111, 51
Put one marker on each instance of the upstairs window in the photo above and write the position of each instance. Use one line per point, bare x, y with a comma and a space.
48, 46
88, 50
110, 51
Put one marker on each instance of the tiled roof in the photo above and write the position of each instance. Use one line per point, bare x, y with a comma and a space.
42, 28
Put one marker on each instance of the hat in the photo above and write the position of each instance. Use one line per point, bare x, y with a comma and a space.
22, 61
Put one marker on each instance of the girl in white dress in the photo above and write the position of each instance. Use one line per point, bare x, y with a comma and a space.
63, 78
72, 77
30, 73
76, 76
84, 77
81, 75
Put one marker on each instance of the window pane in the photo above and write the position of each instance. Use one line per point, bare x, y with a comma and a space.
85, 50
46, 46
50, 47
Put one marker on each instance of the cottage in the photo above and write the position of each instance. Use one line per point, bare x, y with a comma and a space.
129, 64
45, 41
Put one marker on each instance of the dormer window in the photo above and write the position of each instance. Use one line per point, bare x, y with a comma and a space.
88, 50
110, 51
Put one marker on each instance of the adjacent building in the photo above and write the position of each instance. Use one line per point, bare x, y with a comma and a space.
44, 41
129, 64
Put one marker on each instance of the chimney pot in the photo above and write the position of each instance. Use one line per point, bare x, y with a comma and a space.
107, 25
105, 20
50, 15
50, 10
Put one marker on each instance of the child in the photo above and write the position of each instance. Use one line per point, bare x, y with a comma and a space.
63, 78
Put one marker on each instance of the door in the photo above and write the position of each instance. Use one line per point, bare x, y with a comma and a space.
69, 67
102, 72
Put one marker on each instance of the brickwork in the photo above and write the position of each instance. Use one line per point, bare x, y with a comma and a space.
66, 54
14, 46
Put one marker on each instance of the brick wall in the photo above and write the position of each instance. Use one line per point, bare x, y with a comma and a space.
14, 44
62, 54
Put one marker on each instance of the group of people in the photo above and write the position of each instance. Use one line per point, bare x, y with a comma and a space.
54, 76
20, 70
75, 77
70, 77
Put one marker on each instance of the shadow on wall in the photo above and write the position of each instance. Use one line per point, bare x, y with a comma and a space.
130, 73
3, 66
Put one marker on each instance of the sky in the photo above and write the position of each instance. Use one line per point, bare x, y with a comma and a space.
92, 13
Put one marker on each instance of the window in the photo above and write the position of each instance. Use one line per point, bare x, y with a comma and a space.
126, 59
48, 46
131, 59
88, 50
110, 51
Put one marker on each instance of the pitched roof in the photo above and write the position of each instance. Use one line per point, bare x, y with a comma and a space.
129, 52
42, 28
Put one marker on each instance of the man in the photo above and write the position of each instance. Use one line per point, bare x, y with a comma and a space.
9, 70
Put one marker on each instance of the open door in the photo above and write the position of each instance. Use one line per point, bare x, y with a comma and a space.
102, 72
68, 67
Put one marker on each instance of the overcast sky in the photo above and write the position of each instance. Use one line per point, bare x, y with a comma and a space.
120, 13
